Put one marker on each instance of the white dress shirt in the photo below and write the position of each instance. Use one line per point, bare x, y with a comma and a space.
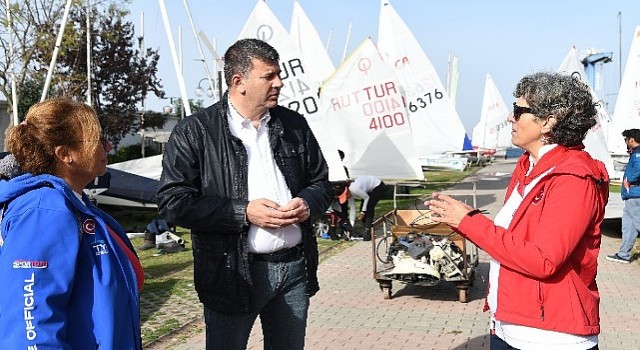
265, 180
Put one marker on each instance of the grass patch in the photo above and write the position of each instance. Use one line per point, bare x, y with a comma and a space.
158, 265
326, 244
167, 327
615, 188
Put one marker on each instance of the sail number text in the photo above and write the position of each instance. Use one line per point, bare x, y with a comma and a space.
382, 113
425, 100
299, 96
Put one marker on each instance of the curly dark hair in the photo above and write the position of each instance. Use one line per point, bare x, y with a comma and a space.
237, 59
566, 98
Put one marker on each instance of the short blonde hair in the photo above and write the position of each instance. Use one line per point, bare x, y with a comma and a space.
48, 124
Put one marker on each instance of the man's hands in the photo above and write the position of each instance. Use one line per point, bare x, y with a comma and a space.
268, 214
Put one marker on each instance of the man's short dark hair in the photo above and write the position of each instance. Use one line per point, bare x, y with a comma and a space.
632, 134
237, 59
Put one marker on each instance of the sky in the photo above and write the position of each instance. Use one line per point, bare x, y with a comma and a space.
504, 38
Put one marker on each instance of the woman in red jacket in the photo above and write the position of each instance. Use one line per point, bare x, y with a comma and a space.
545, 241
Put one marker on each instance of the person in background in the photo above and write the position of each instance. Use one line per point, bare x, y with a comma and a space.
544, 242
248, 178
342, 198
370, 189
70, 277
630, 193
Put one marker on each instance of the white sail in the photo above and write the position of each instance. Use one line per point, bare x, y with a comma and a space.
299, 92
363, 104
435, 123
307, 40
493, 131
627, 110
595, 141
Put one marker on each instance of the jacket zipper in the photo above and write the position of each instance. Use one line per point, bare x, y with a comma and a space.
540, 301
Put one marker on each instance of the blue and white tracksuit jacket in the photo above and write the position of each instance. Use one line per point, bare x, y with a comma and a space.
632, 175
66, 283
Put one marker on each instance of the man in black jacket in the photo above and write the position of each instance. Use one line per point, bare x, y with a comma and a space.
248, 177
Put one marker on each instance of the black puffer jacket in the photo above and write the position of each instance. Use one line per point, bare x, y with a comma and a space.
204, 188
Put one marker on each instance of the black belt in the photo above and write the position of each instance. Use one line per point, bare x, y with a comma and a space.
282, 255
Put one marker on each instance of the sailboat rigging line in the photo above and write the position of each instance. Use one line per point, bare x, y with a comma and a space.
200, 51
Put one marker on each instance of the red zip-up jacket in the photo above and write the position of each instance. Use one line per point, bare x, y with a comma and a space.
548, 255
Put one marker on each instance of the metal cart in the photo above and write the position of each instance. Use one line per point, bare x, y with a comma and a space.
408, 247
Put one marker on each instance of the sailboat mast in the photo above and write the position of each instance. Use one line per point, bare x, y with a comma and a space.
89, 52
143, 53
47, 82
346, 44
619, 49
329, 40
483, 144
449, 74
14, 93
176, 62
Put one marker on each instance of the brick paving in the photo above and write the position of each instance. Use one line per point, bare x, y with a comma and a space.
176, 305
350, 313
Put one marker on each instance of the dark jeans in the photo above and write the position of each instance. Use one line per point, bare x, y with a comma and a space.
498, 344
374, 196
281, 300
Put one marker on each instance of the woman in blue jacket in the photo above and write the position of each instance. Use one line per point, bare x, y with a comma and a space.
71, 278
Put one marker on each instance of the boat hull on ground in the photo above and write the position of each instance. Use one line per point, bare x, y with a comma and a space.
448, 163
121, 188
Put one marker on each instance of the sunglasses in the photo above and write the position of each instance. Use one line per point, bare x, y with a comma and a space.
519, 110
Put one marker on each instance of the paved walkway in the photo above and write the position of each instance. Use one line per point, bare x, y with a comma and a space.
350, 313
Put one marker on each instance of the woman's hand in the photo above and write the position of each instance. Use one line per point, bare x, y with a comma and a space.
448, 210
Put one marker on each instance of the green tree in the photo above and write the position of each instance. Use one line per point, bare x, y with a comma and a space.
30, 94
121, 76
